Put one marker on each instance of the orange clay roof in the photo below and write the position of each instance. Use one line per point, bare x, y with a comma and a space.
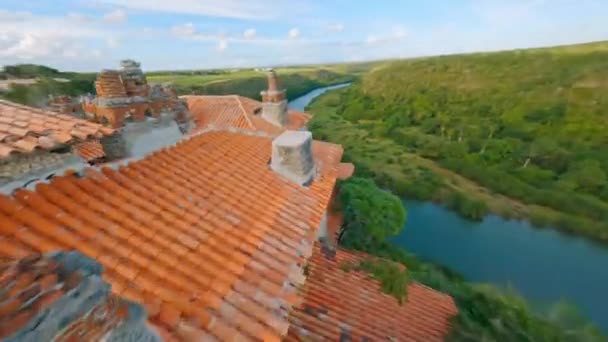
90, 150
36, 282
25, 129
350, 304
346, 170
237, 111
203, 233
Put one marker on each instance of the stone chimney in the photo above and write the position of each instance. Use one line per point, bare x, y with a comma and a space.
62, 296
292, 156
274, 103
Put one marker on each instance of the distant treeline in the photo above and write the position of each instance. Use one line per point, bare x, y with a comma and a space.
296, 84
530, 125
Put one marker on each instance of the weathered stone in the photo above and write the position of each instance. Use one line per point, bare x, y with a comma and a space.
22, 165
275, 112
114, 146
292, 156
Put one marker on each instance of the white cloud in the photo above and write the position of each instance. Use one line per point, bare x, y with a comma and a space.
337, 27
185, 30
241, 9
78, 17
9, 16
372, 39
116, 17
397, 34
499, 12
222, 45
113, 42
294, 33
24, 36
249, 33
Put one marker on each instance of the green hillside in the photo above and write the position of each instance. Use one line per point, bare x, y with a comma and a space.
521, 133
48, 81
297, 80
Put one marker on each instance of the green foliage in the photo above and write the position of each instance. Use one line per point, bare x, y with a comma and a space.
49, 82
528, 124
30, 71
370, 214
393, 128
249, 83
472, 209
38, 94
393, 279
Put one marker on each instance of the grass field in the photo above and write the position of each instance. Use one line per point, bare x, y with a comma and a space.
298, 80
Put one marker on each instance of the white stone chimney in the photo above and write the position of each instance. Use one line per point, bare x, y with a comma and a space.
275, 113
292, 156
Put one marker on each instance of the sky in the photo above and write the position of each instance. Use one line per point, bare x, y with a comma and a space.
88, 35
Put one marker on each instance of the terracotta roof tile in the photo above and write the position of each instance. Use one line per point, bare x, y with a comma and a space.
349, 304
346, 170
24, 129
34, 283
225, 111
203, 227
90, 151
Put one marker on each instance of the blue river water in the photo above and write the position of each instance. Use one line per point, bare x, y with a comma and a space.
301, 102
542, 265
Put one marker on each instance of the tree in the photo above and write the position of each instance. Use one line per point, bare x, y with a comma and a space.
587, 174
539, 148
371, 215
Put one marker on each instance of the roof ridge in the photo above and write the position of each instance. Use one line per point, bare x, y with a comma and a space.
243, 111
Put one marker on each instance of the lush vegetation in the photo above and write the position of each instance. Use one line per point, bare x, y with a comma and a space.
393, 278
371, 215
249, 83
485, 313
518, 133
48, 82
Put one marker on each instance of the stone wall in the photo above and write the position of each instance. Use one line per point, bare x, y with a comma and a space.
83, 307
275, 112
114, 146
20, 166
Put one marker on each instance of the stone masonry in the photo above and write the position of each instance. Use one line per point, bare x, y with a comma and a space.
292, 156
274, 102
125, 95
20, 166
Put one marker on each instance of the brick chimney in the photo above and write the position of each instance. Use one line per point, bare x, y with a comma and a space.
292, 156
274, 103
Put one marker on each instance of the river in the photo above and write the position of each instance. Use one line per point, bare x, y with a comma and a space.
543, 265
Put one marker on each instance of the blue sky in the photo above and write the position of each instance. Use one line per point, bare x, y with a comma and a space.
89, 35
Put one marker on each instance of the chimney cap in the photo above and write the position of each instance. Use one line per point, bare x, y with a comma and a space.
292, 156
292, 138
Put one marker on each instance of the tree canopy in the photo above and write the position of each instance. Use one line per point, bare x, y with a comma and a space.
370, 214
529, 124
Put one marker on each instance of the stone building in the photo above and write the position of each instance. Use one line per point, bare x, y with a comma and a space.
218, 238
125, 95
225, 235
64, 104
35, 143
146, 117
274, 102
270, 116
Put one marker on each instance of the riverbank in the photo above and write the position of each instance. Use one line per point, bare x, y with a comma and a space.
485, 312
483, 252
415, 177
298, 81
